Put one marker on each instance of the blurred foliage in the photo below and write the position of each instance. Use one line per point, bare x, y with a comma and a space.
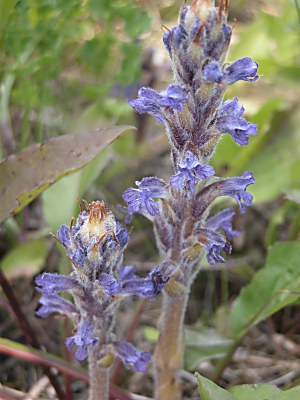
58, 56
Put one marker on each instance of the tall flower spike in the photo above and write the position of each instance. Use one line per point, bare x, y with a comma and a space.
197, 47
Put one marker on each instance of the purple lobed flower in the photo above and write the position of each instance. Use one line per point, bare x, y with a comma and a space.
83, 338
131, 357
141, 199
236, 188
223, 221
214, 242
151, 102
190, 171
150, 286
54, 283
230, 120
244, 69
52, 303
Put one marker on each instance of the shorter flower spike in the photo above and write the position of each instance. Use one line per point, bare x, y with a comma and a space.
131, 357
230, 120
54, 283
190, 171
214, 242
83, 338
52, 303
141, 199
223, 221
151, 102
236, 187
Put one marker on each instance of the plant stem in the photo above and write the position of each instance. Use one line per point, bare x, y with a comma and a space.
170, 346
99, 377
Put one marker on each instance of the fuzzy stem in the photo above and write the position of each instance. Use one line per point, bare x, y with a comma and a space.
99, 377
170, 347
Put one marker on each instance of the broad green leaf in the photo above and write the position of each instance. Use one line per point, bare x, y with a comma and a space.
268, 291
210, 391
202, 345
56, 210
274, 165
25, 259
255, 392
291, 394
31, 171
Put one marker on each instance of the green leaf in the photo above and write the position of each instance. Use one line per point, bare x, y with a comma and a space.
25, 259
255, 392
210, 391
28, 173
56, 211
291, 394
202, 345
268, 291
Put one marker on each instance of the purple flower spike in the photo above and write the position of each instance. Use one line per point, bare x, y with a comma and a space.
214, 242
236, 187
230, 120
244, 69
190, 171
151, 102
52, 303
131, 357
223, 220
141, 199
150, 286
54, 283
83, 338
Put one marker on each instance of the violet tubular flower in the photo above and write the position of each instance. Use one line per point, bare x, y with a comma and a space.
131, 357
230, 120
190, 171
95, 244
156, 104
141, 200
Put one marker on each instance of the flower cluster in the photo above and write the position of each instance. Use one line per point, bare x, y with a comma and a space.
195, 117
95, 244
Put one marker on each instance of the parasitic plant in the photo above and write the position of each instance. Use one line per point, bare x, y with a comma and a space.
195, 118
99, 281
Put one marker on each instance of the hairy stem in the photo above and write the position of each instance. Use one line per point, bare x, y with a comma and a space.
170, 346
99, 377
